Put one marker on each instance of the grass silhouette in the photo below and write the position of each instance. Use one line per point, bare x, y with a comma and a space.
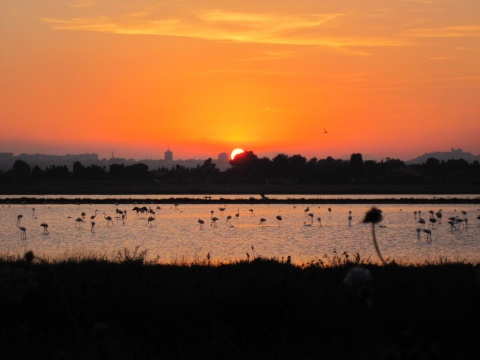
338, 306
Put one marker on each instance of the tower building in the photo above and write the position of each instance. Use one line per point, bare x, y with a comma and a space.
168, 155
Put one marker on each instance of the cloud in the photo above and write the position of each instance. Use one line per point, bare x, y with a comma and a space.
446, 32
230, 26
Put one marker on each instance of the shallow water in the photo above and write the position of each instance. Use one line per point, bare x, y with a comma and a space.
175, 234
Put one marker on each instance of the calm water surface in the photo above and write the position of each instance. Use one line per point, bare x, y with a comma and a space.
175, 234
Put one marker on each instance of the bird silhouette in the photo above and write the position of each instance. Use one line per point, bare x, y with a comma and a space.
23, 232
150, 220
108, 218
429, 233
319, 219
201, 222
228, 218
19, 217
78, 221
279, 218
262, 221
45, 227
350, 217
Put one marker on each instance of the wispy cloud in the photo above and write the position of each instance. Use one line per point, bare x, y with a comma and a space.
224, 25
446, 32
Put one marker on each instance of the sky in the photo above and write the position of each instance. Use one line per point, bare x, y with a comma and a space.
385, 78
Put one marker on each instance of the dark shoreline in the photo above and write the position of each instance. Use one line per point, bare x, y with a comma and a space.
82, 192
220, 200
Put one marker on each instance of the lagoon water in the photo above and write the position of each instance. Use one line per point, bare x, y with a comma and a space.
175, 234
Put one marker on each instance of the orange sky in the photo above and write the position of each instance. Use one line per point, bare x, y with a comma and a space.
388, 78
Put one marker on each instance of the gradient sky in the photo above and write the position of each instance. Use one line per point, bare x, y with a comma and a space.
388, 78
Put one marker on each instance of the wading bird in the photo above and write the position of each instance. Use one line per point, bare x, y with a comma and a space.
279, 218
429, 233
150, 219
45, 227
108, 218
214, 221
23, 232
262, 220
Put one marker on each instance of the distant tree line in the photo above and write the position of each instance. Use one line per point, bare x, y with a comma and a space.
248, 168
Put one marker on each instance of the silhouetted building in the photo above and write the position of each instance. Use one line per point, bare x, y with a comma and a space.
223, 157
168, 155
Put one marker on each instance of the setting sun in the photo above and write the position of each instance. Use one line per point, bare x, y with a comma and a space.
235, 153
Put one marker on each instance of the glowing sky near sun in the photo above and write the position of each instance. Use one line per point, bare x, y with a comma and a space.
390, 78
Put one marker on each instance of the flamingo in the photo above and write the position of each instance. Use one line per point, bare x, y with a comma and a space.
252, 213
262, 220
329, 210
306, 224
228, 218
279, 218
459, 221
311, 217
237, 215
350, 217
78, 221
201, 222
429, 233
150, 219
19, 217
214, 221
222, 209
452, 225
419, 230
45, 227
422, 222
319, 219
108, 218
23, 232
92, 227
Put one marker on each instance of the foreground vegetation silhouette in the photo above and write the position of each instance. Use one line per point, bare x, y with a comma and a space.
334, 307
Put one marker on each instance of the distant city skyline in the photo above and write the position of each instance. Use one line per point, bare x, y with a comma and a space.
169, 155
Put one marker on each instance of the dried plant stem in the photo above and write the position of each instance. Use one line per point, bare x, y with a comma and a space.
376, 245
